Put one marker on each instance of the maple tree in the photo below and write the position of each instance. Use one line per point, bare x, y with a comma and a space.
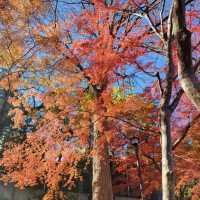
78, 69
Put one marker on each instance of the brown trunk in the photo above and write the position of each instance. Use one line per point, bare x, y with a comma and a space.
101, 182
186, 73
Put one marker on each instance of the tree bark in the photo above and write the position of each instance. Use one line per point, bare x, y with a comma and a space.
186, 73
166, 110
101, 182
139, 169
167, 163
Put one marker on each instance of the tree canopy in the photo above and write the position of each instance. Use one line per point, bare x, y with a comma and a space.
108, 86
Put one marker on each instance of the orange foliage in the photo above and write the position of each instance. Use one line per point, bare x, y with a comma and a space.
75, 78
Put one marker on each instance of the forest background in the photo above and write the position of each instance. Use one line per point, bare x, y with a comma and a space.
106, 87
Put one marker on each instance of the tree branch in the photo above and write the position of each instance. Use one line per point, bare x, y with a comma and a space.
187, 128
176, 100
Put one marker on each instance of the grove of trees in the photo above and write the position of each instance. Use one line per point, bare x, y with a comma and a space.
106, 86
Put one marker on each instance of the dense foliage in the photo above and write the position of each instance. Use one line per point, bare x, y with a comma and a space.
104, 84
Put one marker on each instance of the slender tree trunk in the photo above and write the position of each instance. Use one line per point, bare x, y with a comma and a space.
167, 163
101, 182
139, 168
168, 184
3, 109
186, 73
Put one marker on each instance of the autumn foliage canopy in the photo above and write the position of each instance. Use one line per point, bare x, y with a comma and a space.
85, 82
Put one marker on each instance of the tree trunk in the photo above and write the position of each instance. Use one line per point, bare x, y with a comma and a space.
186, 73
101, 182
167, 163
168, 183
139, 168
191, 88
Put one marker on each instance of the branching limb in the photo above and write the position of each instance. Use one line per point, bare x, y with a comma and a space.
176, 100
160, 82
185, 132
161, 17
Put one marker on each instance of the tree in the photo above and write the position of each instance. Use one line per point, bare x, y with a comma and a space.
186, 157
186, 69
165, 32
79, 60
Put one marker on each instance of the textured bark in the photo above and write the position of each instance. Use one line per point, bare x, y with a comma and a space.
101, 182
186, 73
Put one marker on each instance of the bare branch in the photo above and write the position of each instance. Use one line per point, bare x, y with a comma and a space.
161, 17
196, 66
160, 82
154, 28
185, 132
55, 13
169, 24
176, 100
154, 161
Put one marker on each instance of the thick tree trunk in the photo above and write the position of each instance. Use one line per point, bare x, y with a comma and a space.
167, 163
101, 182
186, 73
